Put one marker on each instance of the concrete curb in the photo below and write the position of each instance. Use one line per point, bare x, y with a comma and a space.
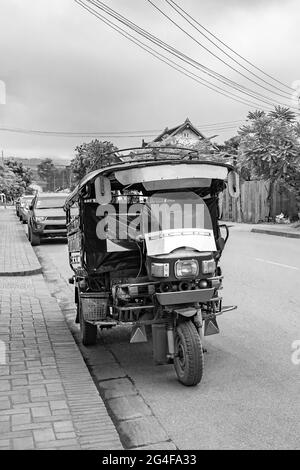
30, 272
276, 232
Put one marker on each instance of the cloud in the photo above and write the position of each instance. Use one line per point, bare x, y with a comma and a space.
65, 70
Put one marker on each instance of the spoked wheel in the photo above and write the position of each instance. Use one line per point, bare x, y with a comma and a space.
188, 360
88, 332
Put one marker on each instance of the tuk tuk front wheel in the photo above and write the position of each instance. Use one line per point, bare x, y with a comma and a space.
88, 332
188, 360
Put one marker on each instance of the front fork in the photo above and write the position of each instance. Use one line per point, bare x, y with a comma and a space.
206, 322
172, 319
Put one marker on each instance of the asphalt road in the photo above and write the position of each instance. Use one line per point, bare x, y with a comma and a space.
249, 396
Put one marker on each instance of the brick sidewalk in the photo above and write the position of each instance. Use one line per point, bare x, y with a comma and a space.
16, 254
48, 399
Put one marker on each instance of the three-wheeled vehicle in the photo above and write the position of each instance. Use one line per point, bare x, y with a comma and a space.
145, 244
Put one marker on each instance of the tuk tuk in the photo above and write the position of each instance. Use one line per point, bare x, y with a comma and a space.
145, 246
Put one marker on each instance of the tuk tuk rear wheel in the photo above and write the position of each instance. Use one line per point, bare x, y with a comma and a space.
88, 332
188, 360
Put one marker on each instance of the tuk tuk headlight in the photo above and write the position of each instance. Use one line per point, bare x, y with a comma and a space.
40, 219
160, 269
208, 266
186, 268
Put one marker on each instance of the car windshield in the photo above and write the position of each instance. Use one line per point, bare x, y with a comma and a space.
175, 211
26, 200
50, 202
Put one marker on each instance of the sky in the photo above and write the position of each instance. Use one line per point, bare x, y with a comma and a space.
64, 70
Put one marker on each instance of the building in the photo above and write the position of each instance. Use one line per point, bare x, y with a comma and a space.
185, 134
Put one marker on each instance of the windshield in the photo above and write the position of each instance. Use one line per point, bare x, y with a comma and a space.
50, 202
175, 211
25, 200
177, 220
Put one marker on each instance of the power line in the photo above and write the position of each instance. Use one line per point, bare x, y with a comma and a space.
212, 53
229, 48
177, 66
117, 134
168, 61
71, 134
158, 42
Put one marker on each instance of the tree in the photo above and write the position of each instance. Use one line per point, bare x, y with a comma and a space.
91, 156
46, 171
22, 172
270, 149
10, 184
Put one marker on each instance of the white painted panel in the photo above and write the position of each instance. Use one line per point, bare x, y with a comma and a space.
170, 172
159, 243
177, 184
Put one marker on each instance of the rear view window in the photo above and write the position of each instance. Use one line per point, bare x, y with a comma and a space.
50, 203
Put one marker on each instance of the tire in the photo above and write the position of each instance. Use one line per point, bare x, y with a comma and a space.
188, 360
23, 221
88, 332
34, 239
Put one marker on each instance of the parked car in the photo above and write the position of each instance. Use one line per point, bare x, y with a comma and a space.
17, 206
47, 218
24, 208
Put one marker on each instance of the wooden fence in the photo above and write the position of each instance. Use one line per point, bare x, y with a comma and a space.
252, 205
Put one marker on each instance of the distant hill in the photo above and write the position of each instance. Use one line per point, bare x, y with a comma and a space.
34, 162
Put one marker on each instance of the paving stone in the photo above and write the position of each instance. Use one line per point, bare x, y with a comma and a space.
4, 403
117, 388
142, 431
20, 398
41, 411
4, 427
38, 393
23, 443
58, 405
21, 382
59, 444
4, 443
43, 435
4, 385
128, 407
21, 419
63, 426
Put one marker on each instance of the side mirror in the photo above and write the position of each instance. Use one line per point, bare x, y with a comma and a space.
220, 243
223, 226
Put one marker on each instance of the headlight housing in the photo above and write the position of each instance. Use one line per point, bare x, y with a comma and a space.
160, 269
188, 268
40, 219
208, 266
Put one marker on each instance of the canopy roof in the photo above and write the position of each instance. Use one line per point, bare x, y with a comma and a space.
164, 159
